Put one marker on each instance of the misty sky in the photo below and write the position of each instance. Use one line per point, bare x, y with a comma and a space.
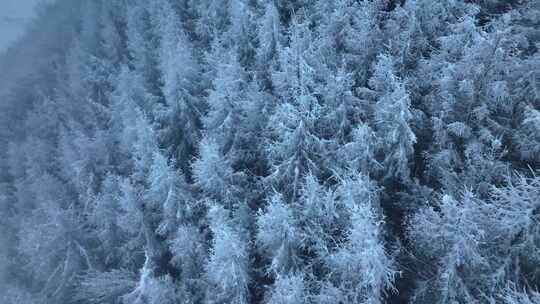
13, 16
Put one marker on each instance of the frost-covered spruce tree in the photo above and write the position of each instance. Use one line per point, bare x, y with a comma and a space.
170, 192
351, 35
226, 104
213, 173
157, 204
362, 269
278, 237
512, 295
359, 153
452, 239
236, 116
345, 42
294, 147
212, 21
179, 74
350, 142
281, 243
392, 112
104, 215
320, 217
241, 31
269, 41
516, 228
151, 189
227, 269
143, 49
480, 247
472, 82
289, 289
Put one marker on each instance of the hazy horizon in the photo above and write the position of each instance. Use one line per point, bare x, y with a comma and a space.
14, 15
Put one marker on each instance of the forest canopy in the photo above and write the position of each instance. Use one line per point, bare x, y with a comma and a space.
272, 151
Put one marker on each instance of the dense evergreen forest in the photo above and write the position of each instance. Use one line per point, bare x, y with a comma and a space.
272, 151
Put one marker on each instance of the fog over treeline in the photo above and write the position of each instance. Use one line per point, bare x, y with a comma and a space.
272, 151
14, 15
